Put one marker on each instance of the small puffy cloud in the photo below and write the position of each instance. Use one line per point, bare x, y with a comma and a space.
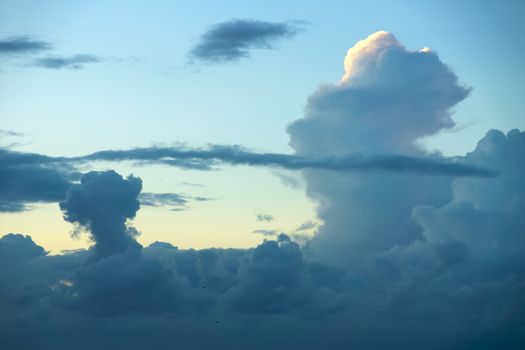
235, 39
22, 45
261, 217
66, 62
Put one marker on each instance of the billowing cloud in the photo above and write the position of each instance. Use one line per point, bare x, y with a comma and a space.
22, 45
235, 39
388, 98
66, 62
102, 203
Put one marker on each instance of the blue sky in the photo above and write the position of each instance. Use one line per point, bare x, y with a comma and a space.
262, 175
147, 87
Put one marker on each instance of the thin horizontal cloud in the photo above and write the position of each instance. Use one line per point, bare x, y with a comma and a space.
176, 201
66, 62
235, 155
233, 40
22, 45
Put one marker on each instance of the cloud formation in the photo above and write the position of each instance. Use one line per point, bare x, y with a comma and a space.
459, 286
19, 168
388, 98
261, 217
102, 203
399, 261
22, 45
235, 39
205, 159
66, 62
28, 178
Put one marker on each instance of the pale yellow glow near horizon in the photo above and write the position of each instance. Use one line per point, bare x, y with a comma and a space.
227, 220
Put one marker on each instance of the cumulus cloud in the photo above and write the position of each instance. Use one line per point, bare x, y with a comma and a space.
66, 62
102, 203
22, 45
235, 39
388, 98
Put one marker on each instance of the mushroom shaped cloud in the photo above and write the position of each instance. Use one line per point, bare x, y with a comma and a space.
388, 98
102, 203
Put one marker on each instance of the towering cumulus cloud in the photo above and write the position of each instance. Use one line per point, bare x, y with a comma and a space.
102, 203
387, 99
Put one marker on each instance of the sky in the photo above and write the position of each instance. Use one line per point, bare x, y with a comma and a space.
273, 175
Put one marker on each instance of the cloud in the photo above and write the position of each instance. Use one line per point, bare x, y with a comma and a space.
30, 177
400, 261
22, 45
235, 39
307, 225
205, 159
266, 232
263, 217
102, 203
388, 98
66, 62
432, 292
27, 178
176, 201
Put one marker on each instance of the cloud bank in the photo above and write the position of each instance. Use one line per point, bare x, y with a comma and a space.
235, 39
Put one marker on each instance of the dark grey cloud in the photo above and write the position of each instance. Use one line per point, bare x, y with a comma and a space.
66, 62
235, 39
235, 155
22, 45
28, 178
431, 292
102, 203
